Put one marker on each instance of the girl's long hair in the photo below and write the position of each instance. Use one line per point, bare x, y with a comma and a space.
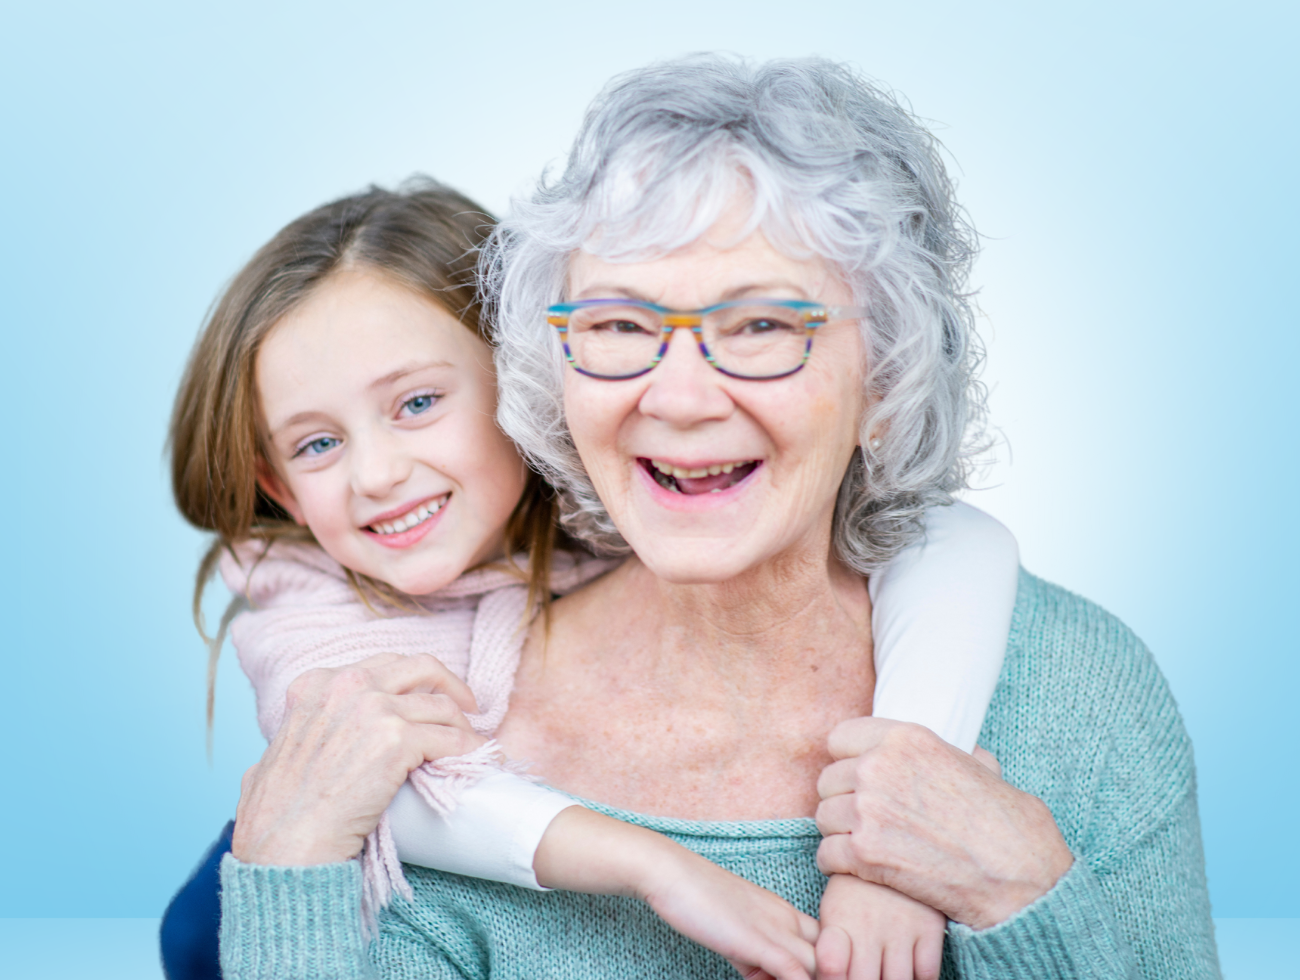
424, 236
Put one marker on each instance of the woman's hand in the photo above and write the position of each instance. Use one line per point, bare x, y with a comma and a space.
905, 809
349, 738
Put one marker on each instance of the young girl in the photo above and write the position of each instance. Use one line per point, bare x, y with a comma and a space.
335, 428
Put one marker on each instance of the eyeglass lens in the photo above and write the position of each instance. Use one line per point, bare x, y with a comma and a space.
615, 340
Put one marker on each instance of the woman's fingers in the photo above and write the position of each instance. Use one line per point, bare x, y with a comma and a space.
858, 735
429, 709
838, 778
433, 742
835, 856
418, 673
990, 848
361, 728
838, 815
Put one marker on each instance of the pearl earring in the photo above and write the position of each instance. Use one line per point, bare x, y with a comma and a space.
875, 443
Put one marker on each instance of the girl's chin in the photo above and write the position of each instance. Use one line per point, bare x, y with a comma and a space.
417, 574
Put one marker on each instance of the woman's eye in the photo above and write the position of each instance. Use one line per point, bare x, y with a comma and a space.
620, 326
419, 404
317, 446
764, 325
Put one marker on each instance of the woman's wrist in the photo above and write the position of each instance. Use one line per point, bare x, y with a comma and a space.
1041, 859
291, 844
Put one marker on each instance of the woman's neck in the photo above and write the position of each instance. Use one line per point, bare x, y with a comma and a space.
764, 621
696, 700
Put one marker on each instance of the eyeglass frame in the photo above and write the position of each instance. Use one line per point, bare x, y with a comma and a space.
814, 315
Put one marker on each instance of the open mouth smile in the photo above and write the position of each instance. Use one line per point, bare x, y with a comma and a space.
713, 478
414, 517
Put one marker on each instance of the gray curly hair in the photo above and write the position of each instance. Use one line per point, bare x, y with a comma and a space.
834, 167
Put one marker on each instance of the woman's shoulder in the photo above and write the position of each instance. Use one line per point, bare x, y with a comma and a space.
1069, 649
1083, 718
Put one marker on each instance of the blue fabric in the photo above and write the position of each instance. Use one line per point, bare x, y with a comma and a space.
188, 936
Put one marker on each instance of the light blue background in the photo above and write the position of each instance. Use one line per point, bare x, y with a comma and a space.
1133, 165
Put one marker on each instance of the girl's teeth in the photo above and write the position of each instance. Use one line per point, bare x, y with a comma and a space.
417, 516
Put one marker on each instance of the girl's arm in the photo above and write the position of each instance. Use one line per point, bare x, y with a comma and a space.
469, 816
941, 615
535, 845
941, 612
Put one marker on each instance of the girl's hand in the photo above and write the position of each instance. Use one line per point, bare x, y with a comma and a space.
905, 809
349, 738
761, 934
870, 932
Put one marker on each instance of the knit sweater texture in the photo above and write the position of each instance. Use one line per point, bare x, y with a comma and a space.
1081, 718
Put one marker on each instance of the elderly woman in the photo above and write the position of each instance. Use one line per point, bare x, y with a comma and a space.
754, 476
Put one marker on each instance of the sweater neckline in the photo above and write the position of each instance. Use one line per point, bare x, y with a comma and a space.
790, 827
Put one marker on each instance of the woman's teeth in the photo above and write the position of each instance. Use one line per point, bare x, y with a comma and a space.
704, 479
411, 518
681, 474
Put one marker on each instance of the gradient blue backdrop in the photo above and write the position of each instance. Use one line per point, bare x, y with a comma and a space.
1132, 165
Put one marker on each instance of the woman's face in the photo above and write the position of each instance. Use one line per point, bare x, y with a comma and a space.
787, 441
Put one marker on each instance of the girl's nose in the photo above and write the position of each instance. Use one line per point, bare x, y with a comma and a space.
683, 389
378, 464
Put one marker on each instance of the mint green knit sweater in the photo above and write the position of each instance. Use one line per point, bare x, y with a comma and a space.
1081, 718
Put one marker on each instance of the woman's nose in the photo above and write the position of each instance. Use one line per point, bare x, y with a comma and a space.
683, 389
378, 464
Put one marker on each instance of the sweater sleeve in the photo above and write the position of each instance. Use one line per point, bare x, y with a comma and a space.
1083, 719
305, 924
290, 923
941, 612
1140, 915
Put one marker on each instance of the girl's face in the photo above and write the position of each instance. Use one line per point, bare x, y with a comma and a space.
378, 410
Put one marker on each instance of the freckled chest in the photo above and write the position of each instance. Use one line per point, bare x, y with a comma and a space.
684, 742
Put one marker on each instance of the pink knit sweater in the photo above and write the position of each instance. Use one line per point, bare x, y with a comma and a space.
302, 613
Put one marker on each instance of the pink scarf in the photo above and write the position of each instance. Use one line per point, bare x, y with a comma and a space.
299, 612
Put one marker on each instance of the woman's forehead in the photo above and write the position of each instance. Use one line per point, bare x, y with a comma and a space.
714, 268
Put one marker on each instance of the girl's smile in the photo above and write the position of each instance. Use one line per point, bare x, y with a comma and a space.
378, 410
405, 526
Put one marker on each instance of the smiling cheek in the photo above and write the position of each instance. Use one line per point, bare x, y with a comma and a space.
324, 504
598, 414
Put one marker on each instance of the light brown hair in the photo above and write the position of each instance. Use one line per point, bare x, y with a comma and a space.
424, 236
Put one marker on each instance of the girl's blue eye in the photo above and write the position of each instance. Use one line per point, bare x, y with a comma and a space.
419, 404
318, 446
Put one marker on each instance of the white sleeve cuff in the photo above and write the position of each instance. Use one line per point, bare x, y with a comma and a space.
493, 833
